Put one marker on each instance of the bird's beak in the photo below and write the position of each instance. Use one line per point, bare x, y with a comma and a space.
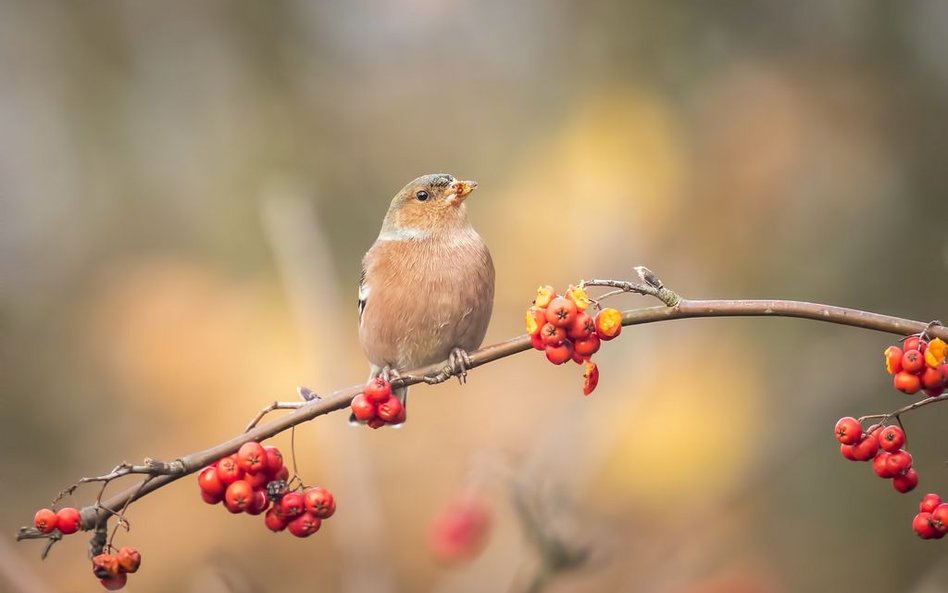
461, 189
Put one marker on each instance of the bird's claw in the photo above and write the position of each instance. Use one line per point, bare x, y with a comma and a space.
389, 374
458, 363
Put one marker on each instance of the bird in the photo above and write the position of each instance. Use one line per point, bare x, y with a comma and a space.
427, 287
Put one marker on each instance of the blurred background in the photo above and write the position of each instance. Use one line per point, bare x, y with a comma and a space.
188, 187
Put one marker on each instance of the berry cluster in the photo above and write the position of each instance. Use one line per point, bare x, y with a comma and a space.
931, 522
884, 446
919, 365
67, 520
112, 570
377, 406
460, 531
560, 326
253, 478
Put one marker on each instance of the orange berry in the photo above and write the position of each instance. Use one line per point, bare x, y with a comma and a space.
129, 559
561, 312
608, 324
591, 377
545, 294
936, 353
578, 295
560, 354
906, 382
535, 319
893, 359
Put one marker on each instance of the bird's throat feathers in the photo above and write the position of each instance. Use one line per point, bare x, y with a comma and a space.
419, 223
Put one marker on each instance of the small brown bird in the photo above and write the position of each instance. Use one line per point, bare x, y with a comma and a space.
427, 287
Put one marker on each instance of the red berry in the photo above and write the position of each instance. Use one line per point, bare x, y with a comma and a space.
258, 480
552, 335
912, 361
922, 524
319, 502
283, 474
292, 504
929, 502
274, 459
588, 346
228, 471
866, 448
129, 559
390, 410
460, 531
375, 423
898, 462
211, 498
891, 438
914, 343
581, 328
114, 582
238, 496
305, 525
880, 465
537, 342
848, 430
940, 518
906, 482
378, 390
932, 378
561, 312
252, 457
68, 520
935, 392
608, 323
893, 359
258, 502
210, 482
274, 520
906, 382
560, 354
847, 451
363, 409
45, 520
579, 358
105, 566
590, 377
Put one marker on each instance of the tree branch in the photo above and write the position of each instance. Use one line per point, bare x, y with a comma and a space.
340, 399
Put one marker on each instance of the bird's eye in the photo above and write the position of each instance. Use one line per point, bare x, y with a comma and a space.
422, 195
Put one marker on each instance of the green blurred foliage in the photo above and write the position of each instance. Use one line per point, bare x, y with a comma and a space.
188, 187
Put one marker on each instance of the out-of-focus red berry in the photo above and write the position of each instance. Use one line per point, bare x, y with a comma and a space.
891, 438
847, 452
537, 342
68, 520
899, 462
922, 525
460, 531
209, 481
588, 346
258, 502
940, 518
274, 459
880, 465
932, 378
914, 343
390, 410
45, 520
848, 430
211, 498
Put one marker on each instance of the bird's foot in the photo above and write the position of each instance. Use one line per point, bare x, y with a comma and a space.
458, 363
390, 374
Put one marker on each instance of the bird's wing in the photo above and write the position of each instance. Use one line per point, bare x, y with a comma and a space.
363, 294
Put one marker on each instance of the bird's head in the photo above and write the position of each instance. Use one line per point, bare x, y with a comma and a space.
429, 204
